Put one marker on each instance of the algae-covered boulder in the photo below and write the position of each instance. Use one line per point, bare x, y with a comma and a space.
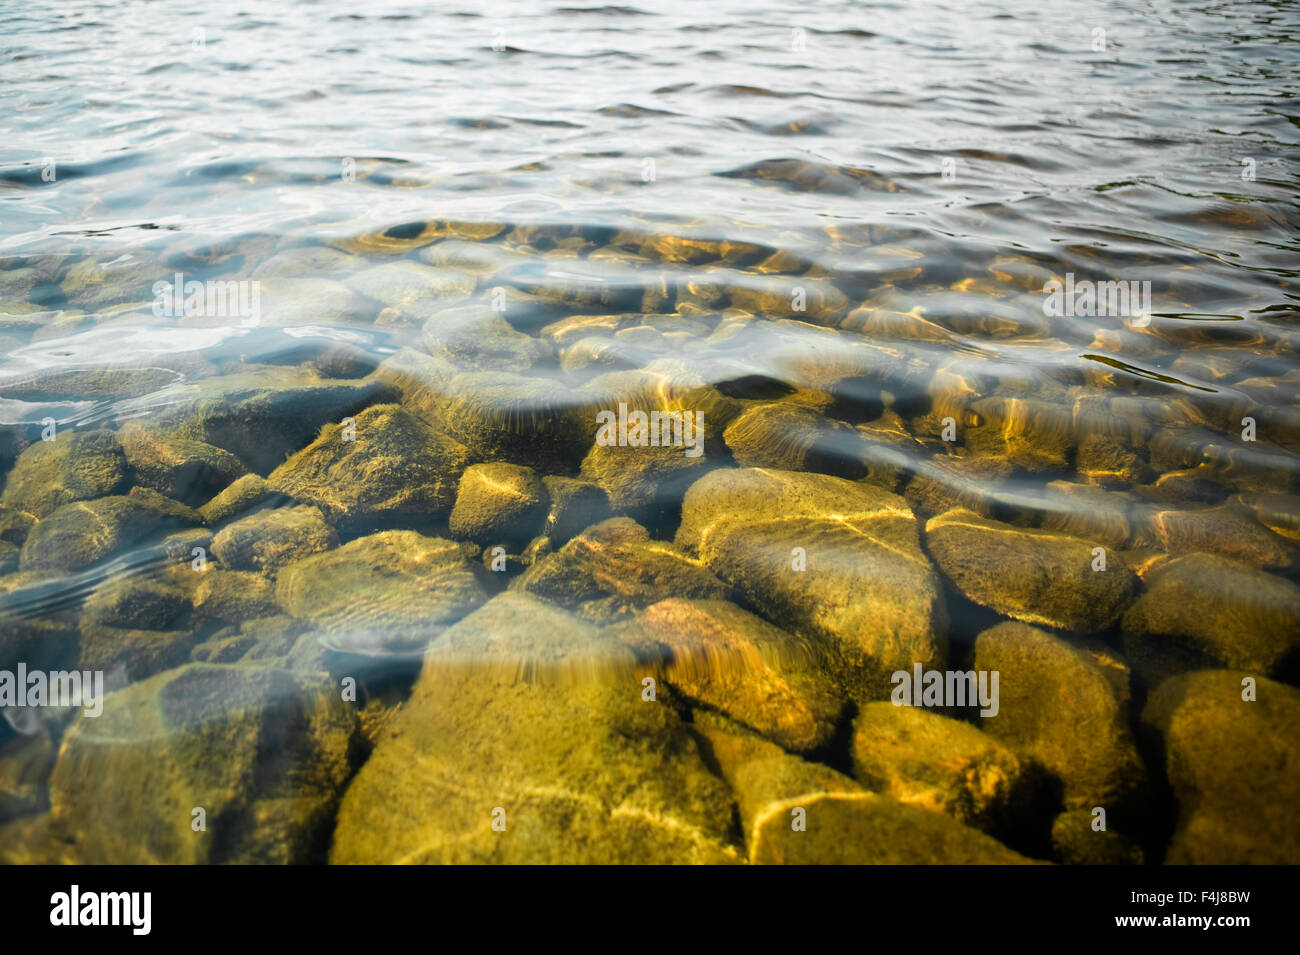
1038, 576
135, 602
618, 569
188, 471
234, 595
830, 560
75, 466
1076, 842
527, 740
925, 759
504, 417
1025, 432
1089, 512
794, 812
262, 752
1064, 706
1234, 767
134, 653
720, 655
574, 505
796, 438
267, 540
242, 495
1226, 531
1206, 612
42, 644
15, 524
498, 503
645, 483
82, 533
386, 465
25, 764
387, 593
262, 415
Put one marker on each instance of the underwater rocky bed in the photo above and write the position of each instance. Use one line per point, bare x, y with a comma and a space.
397, 573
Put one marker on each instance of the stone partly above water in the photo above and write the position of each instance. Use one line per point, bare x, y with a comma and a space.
388, 593
833, 561
1037, 576
1233, 765
720, 655
526, 740
262, 752
1203, 611
383, 466
1064, 706
794, 812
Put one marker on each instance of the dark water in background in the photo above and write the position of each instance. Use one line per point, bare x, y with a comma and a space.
920, 170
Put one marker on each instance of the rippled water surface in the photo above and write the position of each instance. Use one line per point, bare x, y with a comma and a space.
457, 234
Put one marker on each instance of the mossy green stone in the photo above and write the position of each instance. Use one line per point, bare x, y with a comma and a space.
1233, 765
529, 719
263, 752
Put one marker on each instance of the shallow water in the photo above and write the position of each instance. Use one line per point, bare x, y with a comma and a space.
828, 230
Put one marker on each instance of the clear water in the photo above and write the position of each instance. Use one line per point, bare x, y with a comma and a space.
848, 206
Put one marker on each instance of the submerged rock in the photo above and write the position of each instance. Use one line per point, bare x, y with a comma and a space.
617, 568
25, 764
499, 417
794, 812
1076, 842
1030, 434
477, 338
719, 655
234, 596
574, 505
262, 416
644, 483
499, 503
526, 740
1064, 706
79, 534
937, 763
75, 466
136, 602
1108, 461
189, 471
385, 466
1224, 531
795, 438
268, 540
136, 653
388, 593
835, 562
1233, 765
1203, 612
263, 752
1038, 576
241, 496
